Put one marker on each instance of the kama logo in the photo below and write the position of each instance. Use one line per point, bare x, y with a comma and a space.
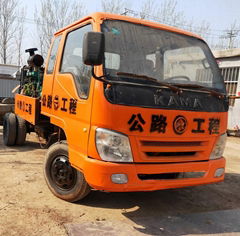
179, 125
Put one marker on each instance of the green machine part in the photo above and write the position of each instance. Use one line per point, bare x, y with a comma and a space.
34, 87
32, 75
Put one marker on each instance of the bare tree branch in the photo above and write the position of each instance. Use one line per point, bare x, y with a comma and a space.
54, 15
8, 16
148, 9
114, 6
169, 14
19, 35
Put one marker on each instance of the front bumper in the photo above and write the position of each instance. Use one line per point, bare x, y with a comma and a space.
98, 174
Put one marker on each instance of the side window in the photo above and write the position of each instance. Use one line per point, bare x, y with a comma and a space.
72, 60
53, 55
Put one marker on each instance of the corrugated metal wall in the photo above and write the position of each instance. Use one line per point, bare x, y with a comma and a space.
7, 82
6, 87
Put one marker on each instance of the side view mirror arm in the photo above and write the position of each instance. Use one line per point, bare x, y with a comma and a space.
100, 78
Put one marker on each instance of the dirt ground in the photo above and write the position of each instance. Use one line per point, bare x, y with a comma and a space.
27, 207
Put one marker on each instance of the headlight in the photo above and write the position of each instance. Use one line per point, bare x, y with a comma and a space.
113, 146
218, 149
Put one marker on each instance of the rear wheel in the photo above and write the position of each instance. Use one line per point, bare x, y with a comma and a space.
9, 129
63, 180
21, 131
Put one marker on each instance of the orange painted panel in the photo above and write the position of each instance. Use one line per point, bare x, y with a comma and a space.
27, 108
98, 174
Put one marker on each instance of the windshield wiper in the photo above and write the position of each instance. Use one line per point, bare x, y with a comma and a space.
197, 86
174, 88
102, 79
145, 77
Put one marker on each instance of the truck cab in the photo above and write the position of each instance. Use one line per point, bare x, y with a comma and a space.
132, 105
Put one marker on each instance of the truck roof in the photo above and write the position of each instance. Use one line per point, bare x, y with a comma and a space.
100, 16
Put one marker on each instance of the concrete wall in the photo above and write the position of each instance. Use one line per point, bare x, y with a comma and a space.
8, 69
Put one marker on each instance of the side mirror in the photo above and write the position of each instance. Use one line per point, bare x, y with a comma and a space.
93, 48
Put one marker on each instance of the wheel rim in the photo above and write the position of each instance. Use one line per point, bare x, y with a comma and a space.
63, 175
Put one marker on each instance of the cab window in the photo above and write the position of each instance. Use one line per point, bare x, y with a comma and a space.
72, 60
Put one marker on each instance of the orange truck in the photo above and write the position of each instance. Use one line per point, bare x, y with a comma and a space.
123, 104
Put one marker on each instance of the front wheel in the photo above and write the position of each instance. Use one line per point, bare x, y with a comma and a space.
63, 180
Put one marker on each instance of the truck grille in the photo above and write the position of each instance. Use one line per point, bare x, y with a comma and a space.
164, 176
169, 154
174, 150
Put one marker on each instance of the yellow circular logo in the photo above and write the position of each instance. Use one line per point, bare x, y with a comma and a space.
179, 124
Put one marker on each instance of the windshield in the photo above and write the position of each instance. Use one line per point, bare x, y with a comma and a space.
165, 56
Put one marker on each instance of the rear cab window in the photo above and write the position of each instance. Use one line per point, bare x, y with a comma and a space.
53, 55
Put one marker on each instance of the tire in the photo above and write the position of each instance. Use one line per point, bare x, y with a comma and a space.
21, 131
9, 129
63, 180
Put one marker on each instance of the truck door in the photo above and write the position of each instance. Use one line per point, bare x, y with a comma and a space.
72, 93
